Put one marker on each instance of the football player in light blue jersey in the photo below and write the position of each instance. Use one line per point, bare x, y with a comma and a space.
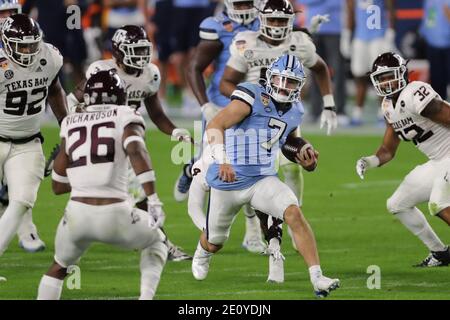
28, 236
216, 34
372, 24
244, 138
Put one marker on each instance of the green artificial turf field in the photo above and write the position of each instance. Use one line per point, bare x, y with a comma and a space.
348, 216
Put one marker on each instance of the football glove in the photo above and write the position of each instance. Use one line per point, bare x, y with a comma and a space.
317, 21
50, 161
180, 134
329, 118
154, 208
209, 111
366, 163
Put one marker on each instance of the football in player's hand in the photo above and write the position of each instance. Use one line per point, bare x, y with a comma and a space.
298, 150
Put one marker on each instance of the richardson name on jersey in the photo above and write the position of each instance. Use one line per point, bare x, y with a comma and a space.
29, 83
90, 116
402, 123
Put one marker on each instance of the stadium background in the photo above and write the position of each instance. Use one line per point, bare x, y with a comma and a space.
352, 226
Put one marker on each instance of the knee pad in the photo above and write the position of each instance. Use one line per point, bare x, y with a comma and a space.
393, 205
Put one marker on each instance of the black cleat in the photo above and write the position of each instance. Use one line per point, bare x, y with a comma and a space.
51, 160
436, 259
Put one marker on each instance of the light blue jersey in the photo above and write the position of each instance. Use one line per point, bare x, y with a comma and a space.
253, 144
435, 26
191, 3
371, 19
221, 28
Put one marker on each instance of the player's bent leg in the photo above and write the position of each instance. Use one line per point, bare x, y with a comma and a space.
293, 177
279, 200
28, 235
222, 209
153, 260
253, 239
306, 244
24, 171
196, 202
9, 223
417, 188
439, 204
51, 284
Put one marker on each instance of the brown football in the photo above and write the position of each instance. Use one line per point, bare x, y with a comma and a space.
294, 145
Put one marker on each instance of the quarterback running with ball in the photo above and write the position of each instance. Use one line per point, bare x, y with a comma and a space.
244, 138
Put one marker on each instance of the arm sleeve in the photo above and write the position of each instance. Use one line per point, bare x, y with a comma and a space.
244, 92
209, 29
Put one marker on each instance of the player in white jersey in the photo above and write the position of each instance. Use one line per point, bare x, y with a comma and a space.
92, 165
132, 55
414, 112
28, 79
27, 233
253, 51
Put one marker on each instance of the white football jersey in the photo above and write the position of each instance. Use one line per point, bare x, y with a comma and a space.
139, 87
431, 138
98, 163
24, 91
250, 54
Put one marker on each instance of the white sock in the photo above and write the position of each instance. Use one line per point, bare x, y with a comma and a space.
252, 225
200, 252
196, 202
9, 223
151, 268
293, 177
27, 226
414, 220
357, 112
50, 288
315, 272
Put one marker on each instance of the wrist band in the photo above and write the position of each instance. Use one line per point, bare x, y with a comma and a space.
147, 176
328, 101
219, 154
130, 139
59, 178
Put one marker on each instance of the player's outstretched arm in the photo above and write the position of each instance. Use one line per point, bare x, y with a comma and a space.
60, 182
438, 111
57, 100
205, 53
230, 79
384, 154
164, 124
134, 146
322, 75
234, 113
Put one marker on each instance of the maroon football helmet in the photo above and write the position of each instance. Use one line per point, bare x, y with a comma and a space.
21, 38
130, 47
389, 74
105, 87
